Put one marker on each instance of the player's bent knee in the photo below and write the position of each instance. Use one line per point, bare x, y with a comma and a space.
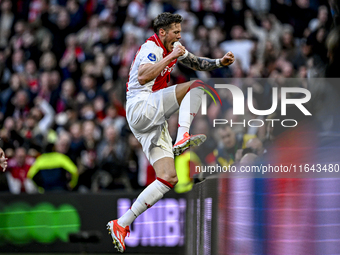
172, 179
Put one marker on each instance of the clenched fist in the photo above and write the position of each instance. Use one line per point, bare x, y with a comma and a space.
227, 59
178, 51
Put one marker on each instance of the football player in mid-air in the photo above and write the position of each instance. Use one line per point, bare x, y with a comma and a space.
150, 102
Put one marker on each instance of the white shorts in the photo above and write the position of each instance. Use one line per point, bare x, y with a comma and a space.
147, 115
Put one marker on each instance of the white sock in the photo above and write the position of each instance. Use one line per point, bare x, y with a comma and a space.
180, 132
149, 196
187, 111
126, 219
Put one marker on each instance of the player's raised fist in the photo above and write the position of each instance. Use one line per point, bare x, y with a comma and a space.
178, 51
228, 59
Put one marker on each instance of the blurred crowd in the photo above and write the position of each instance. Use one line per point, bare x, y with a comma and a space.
64, 65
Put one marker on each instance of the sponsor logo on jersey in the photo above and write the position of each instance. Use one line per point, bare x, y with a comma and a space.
167, 69
152, 57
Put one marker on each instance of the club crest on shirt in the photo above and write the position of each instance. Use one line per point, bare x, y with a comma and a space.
152, 57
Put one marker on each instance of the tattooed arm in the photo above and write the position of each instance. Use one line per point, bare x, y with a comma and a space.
207, 64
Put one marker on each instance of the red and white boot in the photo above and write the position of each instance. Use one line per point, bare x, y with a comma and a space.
187, 142
118, 234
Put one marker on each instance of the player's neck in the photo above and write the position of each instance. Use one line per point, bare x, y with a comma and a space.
160, 39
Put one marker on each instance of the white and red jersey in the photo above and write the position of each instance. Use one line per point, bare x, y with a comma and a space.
151, 52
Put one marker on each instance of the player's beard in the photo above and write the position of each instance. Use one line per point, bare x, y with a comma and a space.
167, 44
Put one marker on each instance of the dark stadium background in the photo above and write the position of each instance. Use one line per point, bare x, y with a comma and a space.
63, 71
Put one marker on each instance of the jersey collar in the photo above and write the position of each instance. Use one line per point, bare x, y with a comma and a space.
159, 43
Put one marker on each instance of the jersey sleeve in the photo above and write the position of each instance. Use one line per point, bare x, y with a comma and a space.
150, 54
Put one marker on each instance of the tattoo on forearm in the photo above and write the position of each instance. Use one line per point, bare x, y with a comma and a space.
198, 63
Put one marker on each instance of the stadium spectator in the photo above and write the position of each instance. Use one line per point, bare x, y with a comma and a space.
333, 46
45, 89
18, 167
240, 46
3, 160
30, 46
230, 144
282, 10
108, 14
19, 107
72, 53
108, 39
89, 89
111, 156
3, 166
30, 77
34, 128
10, 137
72, 71
5, 73
322, 20
93, 7
256, 145
60, 30
7, 19
113, 119
185, 168
90, 34
205, 151
43, 113
287, 41
47, 62
249, 159
54, 171
88, 155
234, 16
102, 71
66, 97
7, 95
189, 23
55, 82
139, 170
301, 15
35, 8
270, 30
99, 108
17, 40
136, 13
17, 62
77, 14
77, 142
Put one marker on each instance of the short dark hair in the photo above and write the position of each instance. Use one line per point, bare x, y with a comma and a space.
164, 20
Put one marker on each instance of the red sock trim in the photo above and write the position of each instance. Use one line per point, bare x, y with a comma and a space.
195, 84
165, 183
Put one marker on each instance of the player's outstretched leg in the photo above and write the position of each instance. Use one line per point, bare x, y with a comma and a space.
189, 107
149, 196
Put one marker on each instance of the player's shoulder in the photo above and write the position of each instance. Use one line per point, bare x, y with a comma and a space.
151, 47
